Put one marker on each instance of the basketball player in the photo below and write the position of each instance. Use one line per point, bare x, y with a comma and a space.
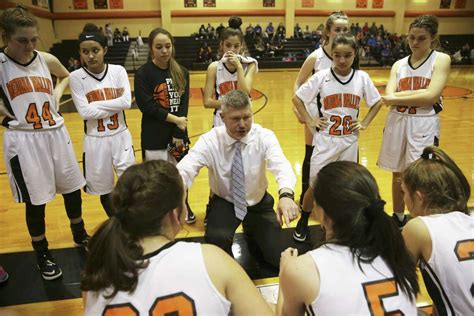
414, 96
101, 93
336, 93
320, 59
363, 266
162, 94
441, 237
136, 266
232, 72
39, 156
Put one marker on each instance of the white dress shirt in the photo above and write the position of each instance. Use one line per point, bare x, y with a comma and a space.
260, 150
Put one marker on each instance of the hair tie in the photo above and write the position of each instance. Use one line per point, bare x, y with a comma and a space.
426, 155
374, 208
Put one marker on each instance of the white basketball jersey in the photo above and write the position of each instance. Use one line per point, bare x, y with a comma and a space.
227, 81
174, 283
449, 273
346, 289
323, 60
101, 91
409, 78
28, 93
339, 97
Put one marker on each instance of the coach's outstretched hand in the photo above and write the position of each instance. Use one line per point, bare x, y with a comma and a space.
287, 211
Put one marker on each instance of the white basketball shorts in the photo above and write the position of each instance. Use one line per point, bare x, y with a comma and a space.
404, 138
331, 148
41, 164
103, 155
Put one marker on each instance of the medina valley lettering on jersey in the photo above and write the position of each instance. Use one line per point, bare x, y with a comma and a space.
347, 100
27, 84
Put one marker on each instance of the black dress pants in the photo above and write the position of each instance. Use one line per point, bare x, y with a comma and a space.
260, 227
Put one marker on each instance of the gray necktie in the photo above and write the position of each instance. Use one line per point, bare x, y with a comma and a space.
238, 183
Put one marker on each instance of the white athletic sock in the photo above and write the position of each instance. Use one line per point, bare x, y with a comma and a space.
401, 216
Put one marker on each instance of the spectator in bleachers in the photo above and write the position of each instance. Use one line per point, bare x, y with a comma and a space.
357, 28
386, 56
205, 53
125, 34
70, 64
281, 32
270, 30
466, 54
381, 30
249, 32
140, 39
219, 30
260, 47
307, 33
117, 35
258, 30
472, 56
365, 28
202, 32
353, 29
210, 31
298, 32
110, 35
373, 29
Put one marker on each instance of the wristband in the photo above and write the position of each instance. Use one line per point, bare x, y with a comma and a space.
287, 195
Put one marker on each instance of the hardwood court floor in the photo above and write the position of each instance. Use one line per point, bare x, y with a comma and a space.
457, 130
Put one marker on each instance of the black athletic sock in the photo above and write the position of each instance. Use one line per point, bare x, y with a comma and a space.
107, 204
305, 169
304, 217
40, 246
78, 228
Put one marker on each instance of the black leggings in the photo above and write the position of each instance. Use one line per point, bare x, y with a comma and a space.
35, 213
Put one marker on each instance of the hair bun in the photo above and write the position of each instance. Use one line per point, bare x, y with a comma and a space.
90, 28
235, 22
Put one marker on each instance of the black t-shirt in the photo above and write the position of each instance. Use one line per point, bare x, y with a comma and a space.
156, 98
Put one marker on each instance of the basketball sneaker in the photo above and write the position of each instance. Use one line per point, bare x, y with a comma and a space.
301, 231
48, 268
81, 239
190, 218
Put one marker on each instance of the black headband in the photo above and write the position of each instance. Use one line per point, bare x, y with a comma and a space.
99, 38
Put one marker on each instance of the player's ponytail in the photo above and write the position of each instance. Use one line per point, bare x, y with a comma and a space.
176, 71
143, 196
437, 177
349, 196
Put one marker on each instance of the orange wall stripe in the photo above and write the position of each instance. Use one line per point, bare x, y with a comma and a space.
442, 14
106, 15
208, 13
350, 13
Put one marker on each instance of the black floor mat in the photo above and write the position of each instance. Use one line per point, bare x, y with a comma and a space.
26, 285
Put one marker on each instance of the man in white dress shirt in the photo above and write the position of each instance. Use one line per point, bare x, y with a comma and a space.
253, 206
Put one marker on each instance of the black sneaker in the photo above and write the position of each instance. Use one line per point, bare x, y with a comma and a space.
190, 218
398, 222
301, 231
81, 239
48, 268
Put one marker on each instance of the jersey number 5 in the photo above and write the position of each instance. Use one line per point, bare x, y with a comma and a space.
178, 304
376, 291
33, 117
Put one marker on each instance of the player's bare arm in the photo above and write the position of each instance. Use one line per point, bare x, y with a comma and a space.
209, 92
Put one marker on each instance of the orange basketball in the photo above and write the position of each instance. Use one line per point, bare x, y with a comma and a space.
160, 94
